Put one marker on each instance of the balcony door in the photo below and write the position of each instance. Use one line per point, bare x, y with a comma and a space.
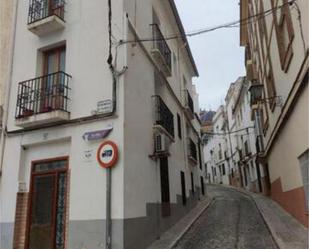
53, 7
53, 81
46, 217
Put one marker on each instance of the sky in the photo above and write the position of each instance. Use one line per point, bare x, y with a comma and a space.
218, 56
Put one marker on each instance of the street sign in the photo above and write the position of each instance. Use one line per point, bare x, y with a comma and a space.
104, 106
95, 135
107, 154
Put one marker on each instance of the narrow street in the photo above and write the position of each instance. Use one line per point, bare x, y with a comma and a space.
231, 221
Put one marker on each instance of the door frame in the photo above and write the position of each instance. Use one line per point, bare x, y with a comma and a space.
31, 193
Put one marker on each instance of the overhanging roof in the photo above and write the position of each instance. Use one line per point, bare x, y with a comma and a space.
183, 35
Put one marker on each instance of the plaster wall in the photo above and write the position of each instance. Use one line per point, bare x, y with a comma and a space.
291, 143
7, 10
86, 53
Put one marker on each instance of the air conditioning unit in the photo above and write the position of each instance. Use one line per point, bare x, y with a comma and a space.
160, 143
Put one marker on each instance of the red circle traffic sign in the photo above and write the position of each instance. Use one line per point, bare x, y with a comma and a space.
107, 154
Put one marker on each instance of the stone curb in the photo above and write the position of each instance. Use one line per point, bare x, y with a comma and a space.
276, 239
185, 230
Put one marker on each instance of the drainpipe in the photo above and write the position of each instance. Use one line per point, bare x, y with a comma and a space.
260, 142
8, 90
230, 143
108, 232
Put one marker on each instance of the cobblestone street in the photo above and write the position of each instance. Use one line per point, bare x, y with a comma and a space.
231, 221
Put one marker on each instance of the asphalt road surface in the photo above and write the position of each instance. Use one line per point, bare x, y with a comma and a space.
232, 221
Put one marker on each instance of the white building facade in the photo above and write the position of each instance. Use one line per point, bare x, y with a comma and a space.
216, 150
65, 100
230, 148
242, 129
277, 63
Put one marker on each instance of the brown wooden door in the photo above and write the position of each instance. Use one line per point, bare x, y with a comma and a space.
42, 225
46, 217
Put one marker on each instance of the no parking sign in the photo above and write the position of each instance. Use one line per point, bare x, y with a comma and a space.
107, 154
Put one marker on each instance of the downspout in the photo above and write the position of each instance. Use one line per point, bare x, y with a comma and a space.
108, 230
8, 89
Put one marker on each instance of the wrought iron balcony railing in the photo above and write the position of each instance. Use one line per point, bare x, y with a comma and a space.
160, 43
192, 149
163, 115
43, 94
40, 9
189, 101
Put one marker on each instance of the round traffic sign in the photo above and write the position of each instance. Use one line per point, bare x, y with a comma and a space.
107, 154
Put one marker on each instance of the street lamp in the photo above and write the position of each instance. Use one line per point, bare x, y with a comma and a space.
256, 95
256, 92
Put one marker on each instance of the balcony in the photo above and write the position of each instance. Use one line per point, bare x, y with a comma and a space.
189, 105
192, 151
161, 51
164, 118
46, 16
43, 100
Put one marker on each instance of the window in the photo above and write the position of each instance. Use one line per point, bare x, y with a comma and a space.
155, 19
262, 32
183, 187
192, 183
165, 187
179, 126
304, 168
253, 170
284, 32
200, 155
223, 169
245, 175
40, 9
184, 81
174, 64
53, 83
48, 201
202, 185
246, 148
270, 85
54, 60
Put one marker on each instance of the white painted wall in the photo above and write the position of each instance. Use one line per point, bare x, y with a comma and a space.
140, 86
135, 178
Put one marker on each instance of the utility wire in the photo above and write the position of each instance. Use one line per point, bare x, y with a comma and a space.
231, 132
203, 31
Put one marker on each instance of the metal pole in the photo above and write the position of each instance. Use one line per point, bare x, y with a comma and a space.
108, 233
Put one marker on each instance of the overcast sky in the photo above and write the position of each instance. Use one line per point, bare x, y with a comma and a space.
219, 58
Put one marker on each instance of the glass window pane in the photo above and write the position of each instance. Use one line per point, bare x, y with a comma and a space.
47, 166
62, 61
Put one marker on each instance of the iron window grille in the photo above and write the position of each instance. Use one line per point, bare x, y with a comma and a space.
43, 94
163, 115
40, 9
189, 101
192, 149
160, 43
